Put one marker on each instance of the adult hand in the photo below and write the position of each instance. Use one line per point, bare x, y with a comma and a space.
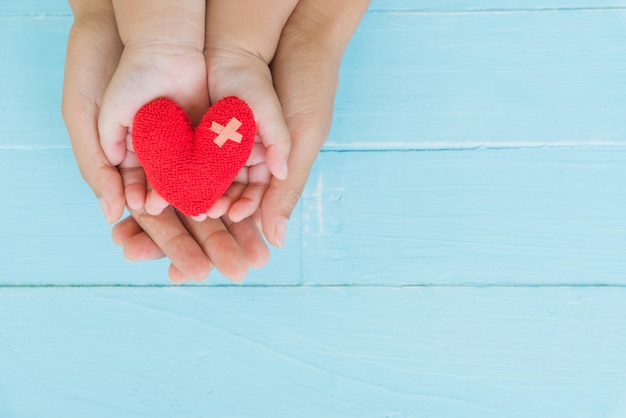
94, 49
305, 72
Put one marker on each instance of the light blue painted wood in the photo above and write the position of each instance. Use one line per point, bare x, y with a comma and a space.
490, 5
456, 80
61, 7
305, 341
409, 80
313, 352
35, 8
31, 79
551, 216
53, 231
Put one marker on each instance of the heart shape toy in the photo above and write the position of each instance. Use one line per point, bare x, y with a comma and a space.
192, 168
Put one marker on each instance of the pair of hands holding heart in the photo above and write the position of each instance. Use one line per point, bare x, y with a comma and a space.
304, 71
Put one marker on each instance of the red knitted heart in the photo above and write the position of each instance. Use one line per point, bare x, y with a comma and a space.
192, 168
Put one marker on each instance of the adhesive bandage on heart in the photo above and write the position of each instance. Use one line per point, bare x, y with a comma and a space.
192, 168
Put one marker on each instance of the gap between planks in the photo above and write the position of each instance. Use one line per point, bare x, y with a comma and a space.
496, 11
424, 11
404, 147
315, 286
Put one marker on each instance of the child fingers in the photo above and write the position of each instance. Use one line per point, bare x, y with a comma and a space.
248, 203
250, 199
234, 191
112, 134
258, 154
200, 218
155, 203
219, 209
274, 133
256, 88
134, 180
121, 100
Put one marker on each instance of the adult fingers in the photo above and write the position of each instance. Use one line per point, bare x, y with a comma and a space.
305, 71
220, 246
250, 240
138, 245
93, 51
168, 233
125, 229
306, 83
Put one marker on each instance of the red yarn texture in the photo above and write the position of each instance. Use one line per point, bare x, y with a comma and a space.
185, 165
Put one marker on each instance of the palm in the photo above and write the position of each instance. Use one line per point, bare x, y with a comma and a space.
180, 77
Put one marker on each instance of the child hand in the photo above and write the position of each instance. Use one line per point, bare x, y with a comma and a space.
162, 57
241, 39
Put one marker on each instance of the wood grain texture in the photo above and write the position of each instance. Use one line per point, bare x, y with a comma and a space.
35, 8
31, 79
456, 217
537, 216
313, 352
444, 81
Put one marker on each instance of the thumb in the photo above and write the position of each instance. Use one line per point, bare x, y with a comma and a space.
282, 196
309, 123
305, 80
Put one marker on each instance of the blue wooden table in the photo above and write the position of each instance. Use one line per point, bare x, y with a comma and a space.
459, 251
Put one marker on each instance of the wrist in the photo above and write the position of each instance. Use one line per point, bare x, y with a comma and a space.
92, 10
161, 24
325, 24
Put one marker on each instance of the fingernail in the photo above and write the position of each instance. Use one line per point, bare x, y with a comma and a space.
281, 232
105, 210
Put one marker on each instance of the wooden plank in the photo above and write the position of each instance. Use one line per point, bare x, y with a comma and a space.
313, 352
490, 5
484, 216
510, 216
456, 80
409, 80
31, 81
60, 7
53, 231
36, 7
